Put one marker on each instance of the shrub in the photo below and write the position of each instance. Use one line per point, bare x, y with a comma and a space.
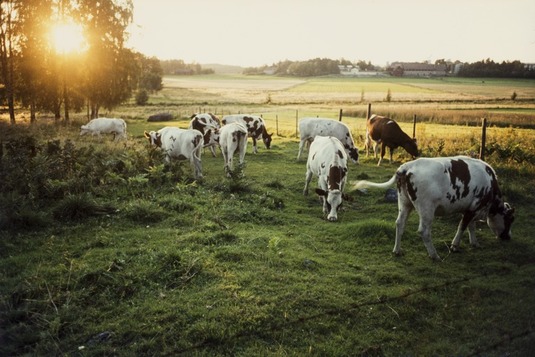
142, 97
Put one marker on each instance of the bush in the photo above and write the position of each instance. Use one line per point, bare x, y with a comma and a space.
142, 97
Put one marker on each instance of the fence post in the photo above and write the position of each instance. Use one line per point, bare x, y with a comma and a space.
277, 123
483, 139
414, 126
296, 119
340, 115
369, 111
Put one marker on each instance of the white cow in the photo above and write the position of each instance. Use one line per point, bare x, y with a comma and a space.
309, 128
446, 185
209, 125
98, 126
327, 160
179, 144
256, 128
232, 139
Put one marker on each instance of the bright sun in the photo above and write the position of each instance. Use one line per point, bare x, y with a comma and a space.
67, 38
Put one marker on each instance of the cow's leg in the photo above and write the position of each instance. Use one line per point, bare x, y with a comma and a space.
255, 148
243, 150
426, 220
301, 147
391, 154
466, 222
403, 214
212, 150
383, 152
224, 153
308, 177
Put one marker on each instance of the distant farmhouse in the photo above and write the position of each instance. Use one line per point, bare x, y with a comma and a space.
354, 71
415, 69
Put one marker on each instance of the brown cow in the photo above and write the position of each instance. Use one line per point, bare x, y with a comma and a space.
387, 132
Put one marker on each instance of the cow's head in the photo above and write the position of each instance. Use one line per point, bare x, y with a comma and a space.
211, 135
266, 138
332, 201
354, 155
84, 129
500, 220
412, 147
154, 138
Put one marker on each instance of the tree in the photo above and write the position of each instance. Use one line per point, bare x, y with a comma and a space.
110, 69
9, 39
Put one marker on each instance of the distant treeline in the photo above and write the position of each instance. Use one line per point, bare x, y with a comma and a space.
181, 68
490, 69
324, 66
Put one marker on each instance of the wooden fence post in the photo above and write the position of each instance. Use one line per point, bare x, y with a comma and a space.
296, 120
340, 115
483, 139
369, 111
414, 126
277, 123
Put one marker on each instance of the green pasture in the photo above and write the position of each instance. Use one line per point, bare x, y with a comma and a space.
104, 250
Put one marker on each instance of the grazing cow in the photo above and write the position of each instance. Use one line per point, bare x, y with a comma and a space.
256, 128
98, 126
179, 144
385, 131
232, 139
209, 125
309, 128
327, 160
445, 185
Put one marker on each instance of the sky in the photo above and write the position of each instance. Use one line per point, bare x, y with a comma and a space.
253, 33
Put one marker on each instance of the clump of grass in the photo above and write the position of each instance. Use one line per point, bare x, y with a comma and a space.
78, 207
145, 212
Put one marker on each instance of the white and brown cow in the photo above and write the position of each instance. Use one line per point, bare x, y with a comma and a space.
179, 144
309, 128
327, 160
256, 128
446, 185
209, 125
98, 126
233, 139
385, 131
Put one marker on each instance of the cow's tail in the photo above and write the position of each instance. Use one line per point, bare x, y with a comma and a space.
365, 184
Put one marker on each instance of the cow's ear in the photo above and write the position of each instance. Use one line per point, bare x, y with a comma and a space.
347, 197
147, 135
321, 192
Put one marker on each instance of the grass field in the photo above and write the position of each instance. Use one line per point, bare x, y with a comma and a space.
105, 251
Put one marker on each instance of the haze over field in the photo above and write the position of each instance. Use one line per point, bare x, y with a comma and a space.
255, 33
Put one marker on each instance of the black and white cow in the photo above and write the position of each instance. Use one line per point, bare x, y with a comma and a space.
309, 128
327, 160
256, 128
233, 139
446, 185
385, 131
209, 125
179, 144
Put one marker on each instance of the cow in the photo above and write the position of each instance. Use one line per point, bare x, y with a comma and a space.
309, 128
208, 124
179, 144
385, 131
98, 126
256, 128
447, 185
233, 139
327, 160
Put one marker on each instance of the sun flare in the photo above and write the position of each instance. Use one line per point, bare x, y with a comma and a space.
67, 38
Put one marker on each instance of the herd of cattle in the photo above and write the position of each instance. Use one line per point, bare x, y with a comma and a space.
431, 186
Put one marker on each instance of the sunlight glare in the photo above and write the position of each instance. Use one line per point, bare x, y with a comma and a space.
67, 38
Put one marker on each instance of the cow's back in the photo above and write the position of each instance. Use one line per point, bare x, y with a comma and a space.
326, 149
452, 184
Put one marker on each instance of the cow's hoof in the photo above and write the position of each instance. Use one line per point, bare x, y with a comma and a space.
455, 248
398, 253
435, 258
